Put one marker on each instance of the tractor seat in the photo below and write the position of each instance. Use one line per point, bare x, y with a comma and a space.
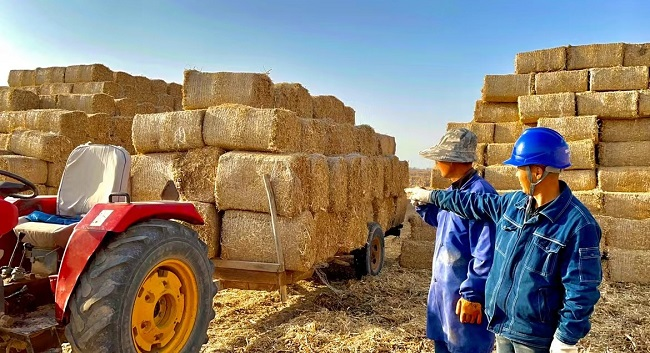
91, 174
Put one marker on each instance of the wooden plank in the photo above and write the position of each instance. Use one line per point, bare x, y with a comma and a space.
231, 274
247, 265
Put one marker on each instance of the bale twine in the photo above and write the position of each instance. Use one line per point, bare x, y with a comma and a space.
20, 78
110, 88
314, 135
420, 230
573, 128
562, 81
534, 107
506, 88
168, 132
618, 78
329, 107
618, 105
30, 168
485, 112
210, 231
628, 265
387, 145
338, 185
620, 154
203, 89
624, 179
594, 55
89, 103
50, 89
625, 130
497, 153
484, 131
543, 60
340, 139
416, 254
242, 128
579, 180
294, 97
47, 146
247, 236
627, 205
12, 99
88, 73
365, 140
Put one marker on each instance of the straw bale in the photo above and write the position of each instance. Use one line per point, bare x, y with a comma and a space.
573, 128
145, 108
416, 254
126, 106
318, 183
592, 199
211, 229
507, 88
485, 112
636, 54
110, 88
294, 97
628, 265
580, 179
387, 145
123, 78
338, 184
143, 97
484, 131
4, 141
627, 205
204, 89
359, 189
9, 121
644, 103
619, 154
534, 107
120, 132
340, 139
420, 230
481, 153
168, 132
48, 102
583, 154
164, 109
325, 237
88, 73
497, 153
248, 236
165, 100
625, 130
54, 173
437, 181
19, 78
349, 115
127, 91
618, 78
158, 87
562, 81
174, 89
376, 176
47, 146
624, 179
178, 103
98, 128
617, 105
401, 206
594, 55
48, 75
329, 107
508, 132
543, 60
353, 232
49, 89
366, 140
502, 177
89, 103
240, 186
150, 174
314, 135
50, 190
383, 210
34, 89
401, 177
29, 168
12, 99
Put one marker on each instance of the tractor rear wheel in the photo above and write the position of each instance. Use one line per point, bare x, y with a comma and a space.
369, 260
147, 289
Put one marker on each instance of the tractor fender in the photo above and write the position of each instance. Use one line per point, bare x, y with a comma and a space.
90, 232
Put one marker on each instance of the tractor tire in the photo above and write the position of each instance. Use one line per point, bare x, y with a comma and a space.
369, 260
147, 289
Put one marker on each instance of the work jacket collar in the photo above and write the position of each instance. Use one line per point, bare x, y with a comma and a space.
464, 181
554, 209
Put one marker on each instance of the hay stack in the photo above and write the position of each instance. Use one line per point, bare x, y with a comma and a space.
126, 107
30, 168
531, 108
543, 60
485, 112
580, 180
636, 55
48, 102
592, 199
9, 121
202, 90
340, 139
211, 229
294, 97
353, 233
314, 137
507, 88
359, 181
46, 146
168, 132
502, 177
625, 233
318, 183
12, 99
628, 265
583, 154
243, 128
330, 107
338, 186
247, 236
88, 73
384, 210
420, 230
54, 173
326, 233
562, 81
4, 141
497, 153
508, 132
416, 254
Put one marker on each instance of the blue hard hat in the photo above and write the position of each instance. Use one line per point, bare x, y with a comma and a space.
540, 146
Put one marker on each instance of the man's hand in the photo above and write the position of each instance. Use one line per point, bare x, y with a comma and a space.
558, 346
469, 312
418, 195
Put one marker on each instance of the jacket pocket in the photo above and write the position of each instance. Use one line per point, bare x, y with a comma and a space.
542, 255
590, 267
506, 232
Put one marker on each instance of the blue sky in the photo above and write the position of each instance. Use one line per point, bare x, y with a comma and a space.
407, 67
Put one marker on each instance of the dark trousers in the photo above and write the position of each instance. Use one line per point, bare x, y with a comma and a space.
505, 345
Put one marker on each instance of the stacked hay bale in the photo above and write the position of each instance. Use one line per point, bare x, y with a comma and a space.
597, 97
329, 176
46, 112
417, 249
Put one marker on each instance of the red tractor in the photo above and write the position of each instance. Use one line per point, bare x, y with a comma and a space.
91, 268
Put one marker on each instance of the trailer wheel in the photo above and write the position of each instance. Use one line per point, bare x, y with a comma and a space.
369, 260
147, 289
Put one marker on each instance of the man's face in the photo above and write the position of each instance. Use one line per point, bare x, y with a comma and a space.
522, 175
444, 168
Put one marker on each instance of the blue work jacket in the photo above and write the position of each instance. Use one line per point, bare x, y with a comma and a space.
461, 263
546, 271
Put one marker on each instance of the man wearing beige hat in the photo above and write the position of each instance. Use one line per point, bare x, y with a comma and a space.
462, 256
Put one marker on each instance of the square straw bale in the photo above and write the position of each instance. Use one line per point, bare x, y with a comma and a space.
248, 236
377, 179
387, 145
508, 132
126, 107
158, 87
54, 174
625, 130
416, 254
150, 174
34, 89
329, 107
319, 183
168, 132
580, 179
573, 128
89, 103
12, 99
49, 89
421, 230
349, 115
4, 141
239, 183
164, 109
239, 127
631, 234
142, 86
108, 87
325, 237
617, 105
644, 103
165, 100
353, 233
123, 78
338, 184
481, 154
507, 88
583, 154
636, 54
98, 127
594, 55
145, 108
47, 146
624, 179
620, 154
502, 177
48, 102
20, 78
627, 205
562, 81
531, 108
30, 168
63, 122
366, 140
174, 89
401, 206
544, 60
497, 153
592, 199
628, 265
314, 135
294, 97
618, 78
127, 91
484, 131
359, 191
383, 212
340, 139
210, 231
88, 73
203, 89
9, 121
485, 112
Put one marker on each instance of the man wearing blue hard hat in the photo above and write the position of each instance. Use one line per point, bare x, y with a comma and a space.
546, 270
